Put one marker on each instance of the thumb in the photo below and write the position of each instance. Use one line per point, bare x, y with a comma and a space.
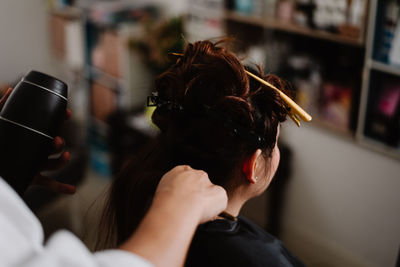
53, 185
217, 203
5, 97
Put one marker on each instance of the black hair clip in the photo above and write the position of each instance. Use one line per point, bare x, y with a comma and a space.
236, 128
156, 101
152, 101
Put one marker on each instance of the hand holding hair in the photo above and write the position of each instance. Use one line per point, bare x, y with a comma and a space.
184, 198
186, 186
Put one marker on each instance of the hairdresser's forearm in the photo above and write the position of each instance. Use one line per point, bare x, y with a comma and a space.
164, 235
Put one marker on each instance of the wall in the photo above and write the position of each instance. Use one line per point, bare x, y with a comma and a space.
344, 201
23, 38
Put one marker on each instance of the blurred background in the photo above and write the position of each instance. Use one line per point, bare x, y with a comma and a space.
336, 198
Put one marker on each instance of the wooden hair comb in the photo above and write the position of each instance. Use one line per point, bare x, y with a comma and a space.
295, 111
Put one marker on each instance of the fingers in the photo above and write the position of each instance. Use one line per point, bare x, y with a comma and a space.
5, 97
68, 114
193, 187
214, 203
53, 185
214, 198
57, 163
58, 144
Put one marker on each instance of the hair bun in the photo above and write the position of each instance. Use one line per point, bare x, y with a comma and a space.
210, 75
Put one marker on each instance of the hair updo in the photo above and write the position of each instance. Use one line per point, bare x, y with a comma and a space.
210, 76
213, 109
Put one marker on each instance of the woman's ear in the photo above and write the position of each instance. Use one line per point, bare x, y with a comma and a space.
249, 167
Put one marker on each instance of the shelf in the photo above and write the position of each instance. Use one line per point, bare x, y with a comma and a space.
103, 77
364, 141
377, 146
275, 24
322, 124
67, 12
383, 67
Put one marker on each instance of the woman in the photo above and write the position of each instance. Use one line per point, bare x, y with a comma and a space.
212, 119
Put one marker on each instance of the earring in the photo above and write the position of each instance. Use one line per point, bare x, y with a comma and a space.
256, 178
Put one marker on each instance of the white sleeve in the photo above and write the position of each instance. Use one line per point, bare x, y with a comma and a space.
65, 250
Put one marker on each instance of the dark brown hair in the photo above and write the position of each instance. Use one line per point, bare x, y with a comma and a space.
211, 113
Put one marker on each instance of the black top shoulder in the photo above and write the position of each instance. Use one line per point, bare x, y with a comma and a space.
237, 243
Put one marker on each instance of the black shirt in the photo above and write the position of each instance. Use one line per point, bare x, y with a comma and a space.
237, 243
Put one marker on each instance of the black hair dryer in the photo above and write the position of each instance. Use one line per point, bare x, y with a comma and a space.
29, 121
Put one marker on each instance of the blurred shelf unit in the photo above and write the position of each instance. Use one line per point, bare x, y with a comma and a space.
100, 49
342, 58
66, 37
204, 20
379, 118
119, 78
290, 27
336, 20
384, 67
312, 44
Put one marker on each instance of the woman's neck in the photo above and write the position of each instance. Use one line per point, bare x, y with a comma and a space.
235, 203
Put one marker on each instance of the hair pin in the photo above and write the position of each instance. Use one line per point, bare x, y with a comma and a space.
152, 101
295, 112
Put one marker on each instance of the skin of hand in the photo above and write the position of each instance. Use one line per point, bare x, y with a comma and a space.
51, 164
184, 198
